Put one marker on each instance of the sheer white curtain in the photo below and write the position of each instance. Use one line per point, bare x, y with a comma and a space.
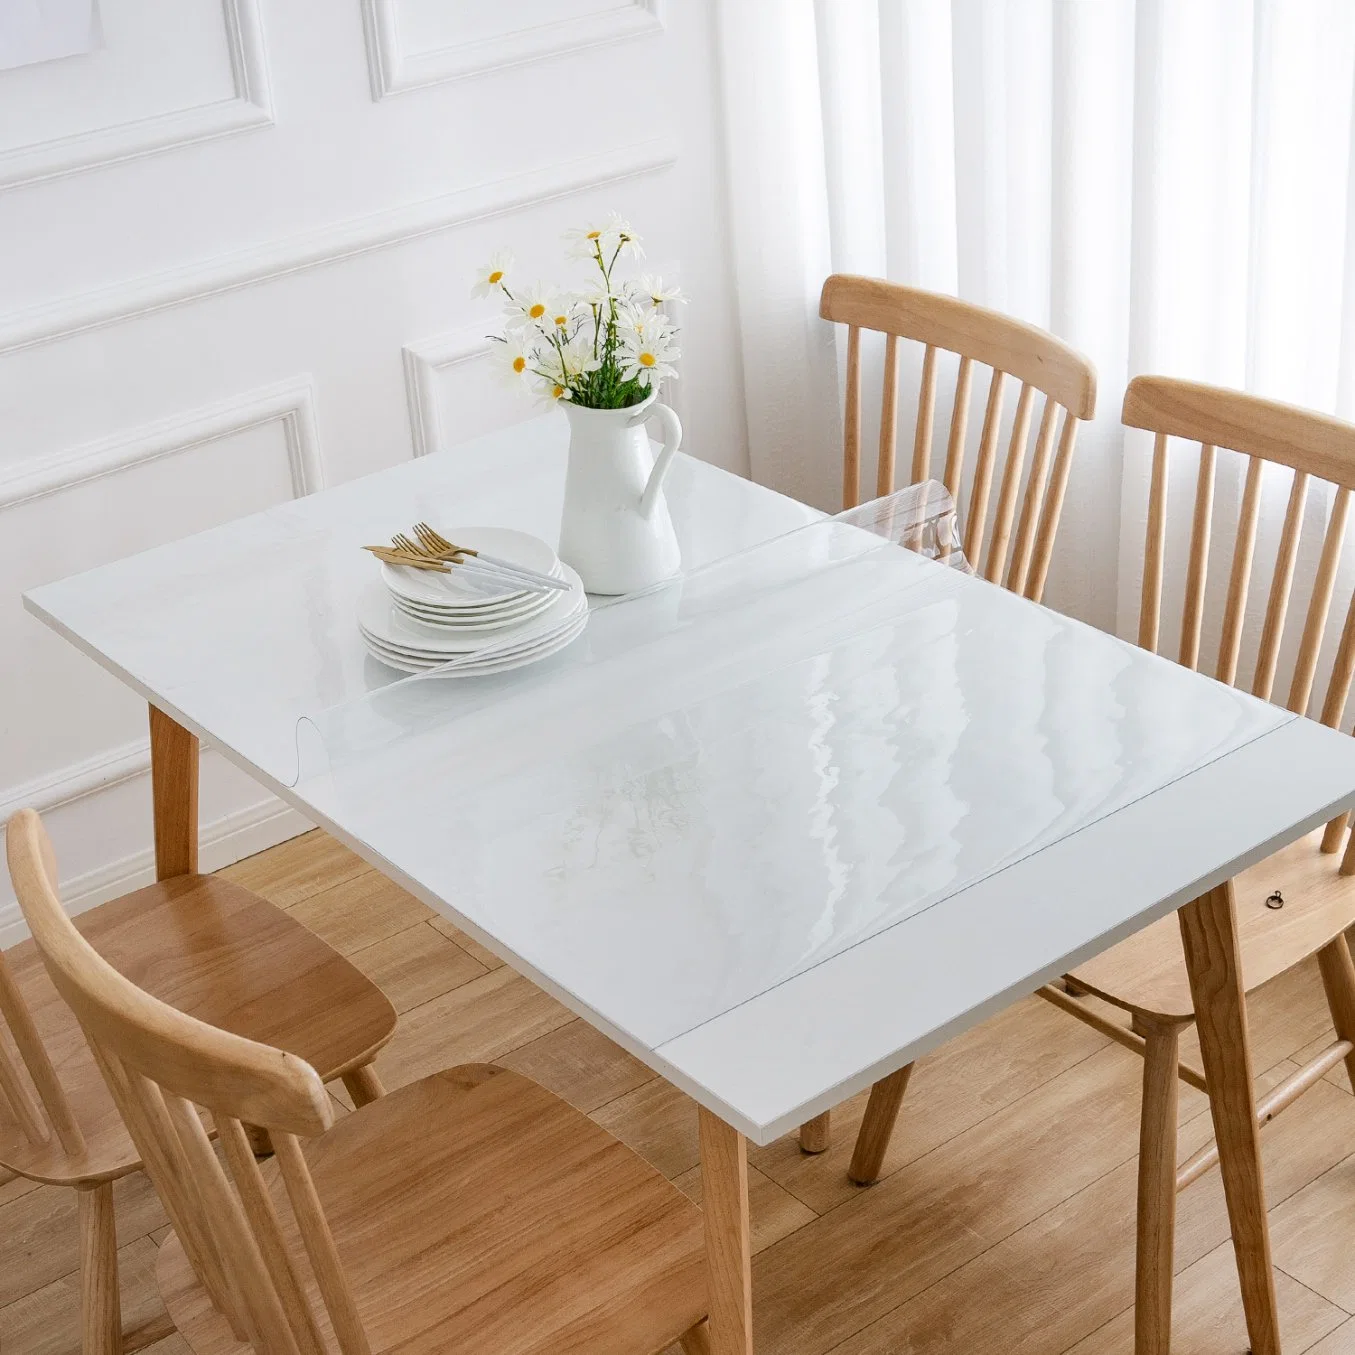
1166, 184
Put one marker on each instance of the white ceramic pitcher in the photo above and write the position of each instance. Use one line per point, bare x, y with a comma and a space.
616, 530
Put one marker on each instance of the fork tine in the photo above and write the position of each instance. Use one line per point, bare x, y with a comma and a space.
438, 541
396, 557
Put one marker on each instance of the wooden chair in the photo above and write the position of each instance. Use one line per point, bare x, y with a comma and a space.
470, 1211
1295, 903
1009, 347
1039, 361
206, 946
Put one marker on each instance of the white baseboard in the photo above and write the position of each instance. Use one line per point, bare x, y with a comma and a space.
228, 839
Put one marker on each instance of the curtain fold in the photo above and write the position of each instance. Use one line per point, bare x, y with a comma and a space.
1166, 184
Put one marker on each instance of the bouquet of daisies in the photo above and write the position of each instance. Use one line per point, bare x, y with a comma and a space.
606, 346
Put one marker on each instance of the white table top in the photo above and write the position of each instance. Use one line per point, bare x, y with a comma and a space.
776, 841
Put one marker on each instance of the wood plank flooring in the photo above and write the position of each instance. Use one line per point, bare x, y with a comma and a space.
1004, 1222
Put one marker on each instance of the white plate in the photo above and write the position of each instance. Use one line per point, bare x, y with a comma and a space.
482, 620
417, 641
380, 618
462, 591
468, 663
484, 667
500, 650
493, 607
471, 662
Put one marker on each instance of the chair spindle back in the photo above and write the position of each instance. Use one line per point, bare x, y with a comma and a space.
1019, 544
1316, 447
49, 1112
161, 1066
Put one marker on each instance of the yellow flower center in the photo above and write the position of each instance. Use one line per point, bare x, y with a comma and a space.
537, 311
594, 235
496, 276
562, 320
557, 391
646, 359
519, 364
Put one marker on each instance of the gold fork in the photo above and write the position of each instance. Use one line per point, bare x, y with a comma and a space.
410, 560
447, 550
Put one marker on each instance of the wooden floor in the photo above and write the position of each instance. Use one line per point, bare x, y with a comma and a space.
1004, 1223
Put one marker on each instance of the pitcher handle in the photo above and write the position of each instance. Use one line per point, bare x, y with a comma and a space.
672, 440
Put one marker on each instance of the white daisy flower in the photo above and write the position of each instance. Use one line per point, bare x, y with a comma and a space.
579, 357
651, 288
654, 325
513, 356
646, 354
632, 313
596, 295
550, 365
585, 241
493, 275
626, 238
566, 314
534, 304
608, 238
554, 378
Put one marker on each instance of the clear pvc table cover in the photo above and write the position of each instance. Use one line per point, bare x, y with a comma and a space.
736, 777
921, 518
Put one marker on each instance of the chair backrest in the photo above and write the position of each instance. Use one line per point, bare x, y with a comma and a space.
1315, 447
160, 1066
1009, 347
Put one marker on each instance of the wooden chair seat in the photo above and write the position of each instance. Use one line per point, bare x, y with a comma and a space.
218, 952
1146, 974
475, 1211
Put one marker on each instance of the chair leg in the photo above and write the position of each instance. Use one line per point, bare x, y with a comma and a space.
1157, 1192
1338, 979
877, 1127
100, 1305
817, 1134
363, 1085
1214, 963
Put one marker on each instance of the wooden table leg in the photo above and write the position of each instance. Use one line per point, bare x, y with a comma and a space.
877, 1126
1209, 936
363, 1085
817, 1134
174, 790
729, 1250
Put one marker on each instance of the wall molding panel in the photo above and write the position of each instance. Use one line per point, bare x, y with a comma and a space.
394, 71
89, 789
292, 403
423, 361
252, 106
79, 780
225, 840
397, 225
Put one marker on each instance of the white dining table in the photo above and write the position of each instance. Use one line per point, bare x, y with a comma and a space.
777, 829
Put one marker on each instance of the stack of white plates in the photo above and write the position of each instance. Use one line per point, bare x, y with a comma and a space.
415, 620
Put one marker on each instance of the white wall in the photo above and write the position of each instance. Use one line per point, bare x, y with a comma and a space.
235, 246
